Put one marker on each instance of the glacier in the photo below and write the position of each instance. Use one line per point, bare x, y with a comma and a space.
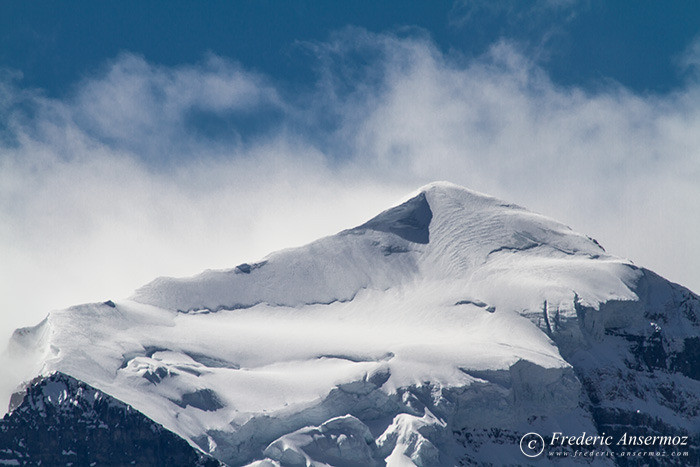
437, 333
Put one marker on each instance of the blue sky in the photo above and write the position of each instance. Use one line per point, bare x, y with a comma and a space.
587, 43
140, 139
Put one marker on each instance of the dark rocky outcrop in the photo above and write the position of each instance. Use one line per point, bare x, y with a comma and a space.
410, 220
649, 385
63, 421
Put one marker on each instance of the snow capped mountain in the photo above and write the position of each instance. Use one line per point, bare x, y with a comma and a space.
437, 333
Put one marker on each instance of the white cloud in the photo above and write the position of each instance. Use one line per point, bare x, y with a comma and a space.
116, 184
615, 165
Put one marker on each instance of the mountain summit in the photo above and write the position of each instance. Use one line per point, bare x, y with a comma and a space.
437, 333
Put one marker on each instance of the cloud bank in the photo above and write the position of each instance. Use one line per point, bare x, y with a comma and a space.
144, 170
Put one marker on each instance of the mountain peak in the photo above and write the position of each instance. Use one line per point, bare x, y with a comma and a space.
444, 190
445, 316
411, 219
445, 186
443, 232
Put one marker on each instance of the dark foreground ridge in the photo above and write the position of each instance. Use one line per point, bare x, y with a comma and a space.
63, 421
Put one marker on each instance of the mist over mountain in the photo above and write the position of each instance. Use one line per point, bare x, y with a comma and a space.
440, 332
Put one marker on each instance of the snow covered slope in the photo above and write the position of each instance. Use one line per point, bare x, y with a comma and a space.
437, 333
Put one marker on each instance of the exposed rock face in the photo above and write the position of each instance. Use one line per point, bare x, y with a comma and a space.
62, 421
641, 373
410, 220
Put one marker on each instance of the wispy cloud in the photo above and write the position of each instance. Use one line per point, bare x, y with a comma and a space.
539, 26
147, 170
